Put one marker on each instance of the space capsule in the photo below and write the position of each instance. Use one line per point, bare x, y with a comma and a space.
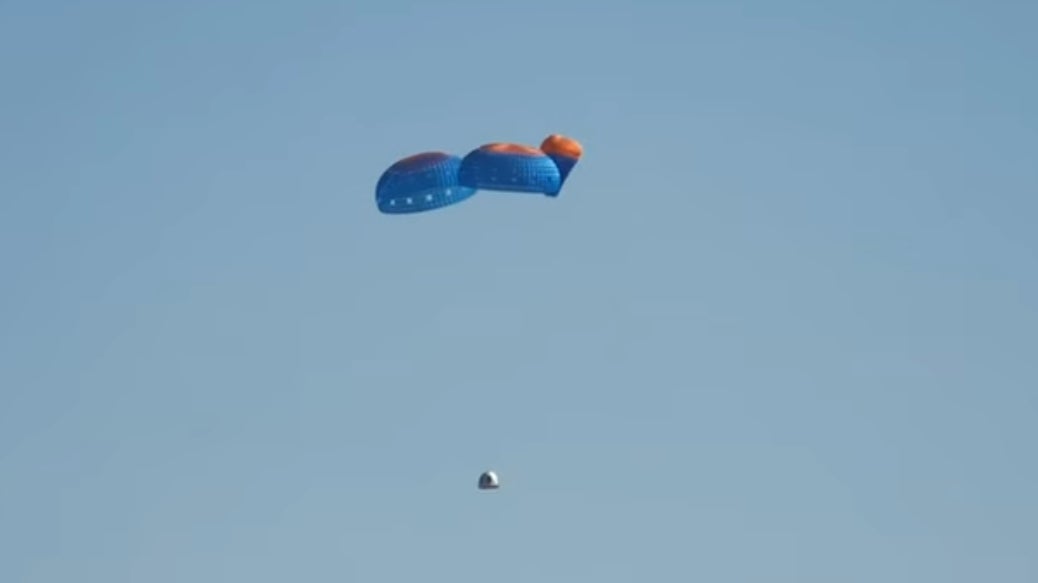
488, 481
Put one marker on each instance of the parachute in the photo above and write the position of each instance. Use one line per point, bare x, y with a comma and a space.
565, 152
419, 183
510, 167
433, 180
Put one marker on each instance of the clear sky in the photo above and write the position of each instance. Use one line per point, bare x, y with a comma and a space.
780, 326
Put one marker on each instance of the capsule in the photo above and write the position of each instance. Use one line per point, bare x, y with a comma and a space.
488, 481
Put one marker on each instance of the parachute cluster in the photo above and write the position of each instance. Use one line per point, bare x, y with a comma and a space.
433, 180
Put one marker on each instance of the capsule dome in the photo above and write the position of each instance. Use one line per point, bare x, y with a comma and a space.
488, 481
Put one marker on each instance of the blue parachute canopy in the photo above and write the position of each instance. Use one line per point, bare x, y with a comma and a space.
433, 180
565, 152
510, 167
420, 183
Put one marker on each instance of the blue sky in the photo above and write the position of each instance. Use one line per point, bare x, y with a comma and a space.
780, 326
